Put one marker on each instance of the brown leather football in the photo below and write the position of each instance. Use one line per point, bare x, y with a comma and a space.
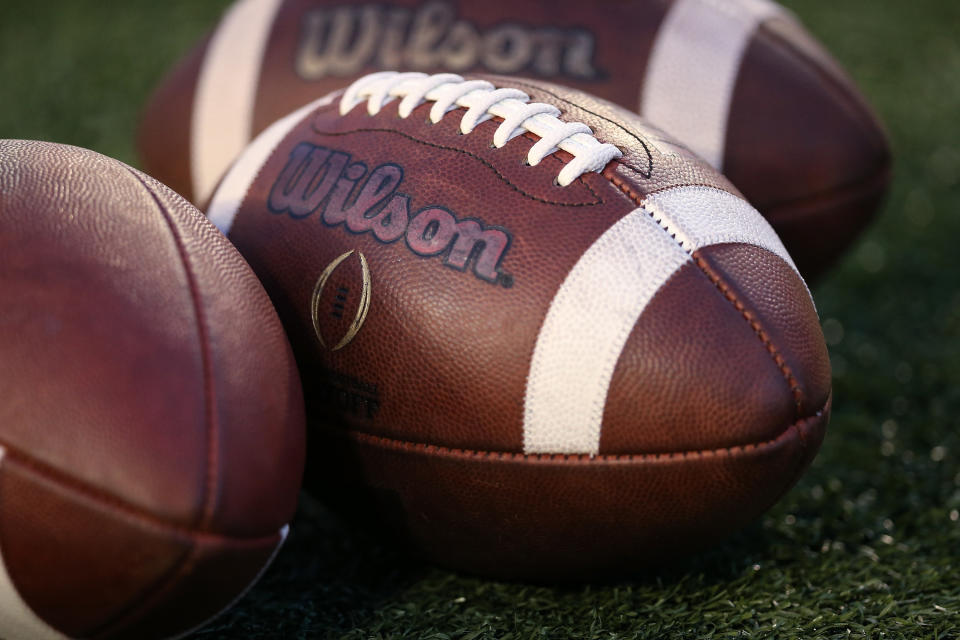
740, 82
151, 417
532, 350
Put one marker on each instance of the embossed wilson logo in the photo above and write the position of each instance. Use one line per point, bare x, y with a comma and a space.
341, 41
337, 306
324, 181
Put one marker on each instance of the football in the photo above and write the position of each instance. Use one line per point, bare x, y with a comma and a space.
739, 82
537, 338
151, 421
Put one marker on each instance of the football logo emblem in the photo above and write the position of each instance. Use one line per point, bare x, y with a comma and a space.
335, 295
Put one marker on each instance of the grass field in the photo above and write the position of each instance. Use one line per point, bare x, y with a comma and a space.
866, 546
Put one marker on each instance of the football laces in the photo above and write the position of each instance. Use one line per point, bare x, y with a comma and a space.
483, 101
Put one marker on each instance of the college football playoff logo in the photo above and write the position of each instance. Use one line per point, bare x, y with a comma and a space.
339, 305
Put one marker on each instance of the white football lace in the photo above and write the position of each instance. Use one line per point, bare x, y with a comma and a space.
483, 101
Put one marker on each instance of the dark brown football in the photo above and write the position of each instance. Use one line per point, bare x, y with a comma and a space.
151, 417
740, 82
532, 350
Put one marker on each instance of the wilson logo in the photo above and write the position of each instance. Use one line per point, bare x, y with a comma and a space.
341, 41
324, 181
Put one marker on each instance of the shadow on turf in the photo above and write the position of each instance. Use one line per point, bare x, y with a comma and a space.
335, 578
325, 577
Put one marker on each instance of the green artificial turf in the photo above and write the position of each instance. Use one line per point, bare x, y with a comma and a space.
866, 546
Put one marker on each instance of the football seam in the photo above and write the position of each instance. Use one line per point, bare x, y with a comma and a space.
727, 292
183, 565
798, 469
754, 323
666, 456
150, 594
680, 185
120, 507
599, 199
210, 414
862, 188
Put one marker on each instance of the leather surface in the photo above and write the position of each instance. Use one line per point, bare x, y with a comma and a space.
777, 300
569, 43
844, 212
423, 311
95, 569
144, 371
425, 405
563, 517
714, 383
798, 128
830, 151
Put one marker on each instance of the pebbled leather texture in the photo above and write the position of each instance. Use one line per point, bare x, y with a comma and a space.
559, 518
718, 401
152, 417
801, 142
